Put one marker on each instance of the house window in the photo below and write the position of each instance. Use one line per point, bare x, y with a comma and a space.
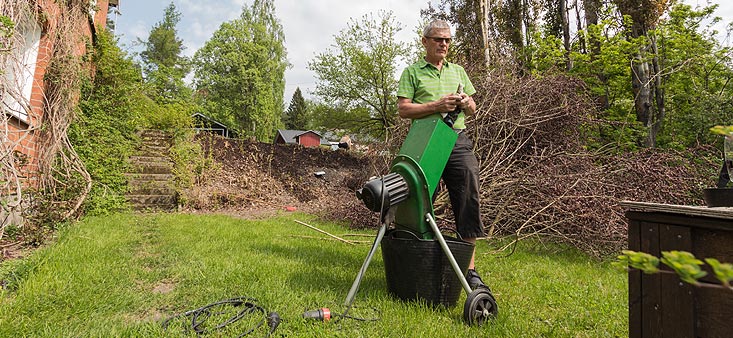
20, 68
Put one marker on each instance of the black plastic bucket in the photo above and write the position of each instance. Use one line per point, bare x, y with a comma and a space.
418, 269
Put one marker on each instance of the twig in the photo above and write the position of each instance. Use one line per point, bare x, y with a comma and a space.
326, 233
325, 239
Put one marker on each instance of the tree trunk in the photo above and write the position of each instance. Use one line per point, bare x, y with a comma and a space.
659, 112
484, 6
566, 33
591, 8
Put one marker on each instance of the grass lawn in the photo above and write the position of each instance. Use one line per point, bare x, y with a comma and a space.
123, 275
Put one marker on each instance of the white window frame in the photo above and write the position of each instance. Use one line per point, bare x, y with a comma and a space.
22, 61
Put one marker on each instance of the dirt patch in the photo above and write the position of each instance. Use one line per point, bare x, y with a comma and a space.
164, 287
254, 179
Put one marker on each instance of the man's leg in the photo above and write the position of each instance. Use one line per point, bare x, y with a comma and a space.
461, 179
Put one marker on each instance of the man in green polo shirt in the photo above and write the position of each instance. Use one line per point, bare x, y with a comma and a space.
430, 87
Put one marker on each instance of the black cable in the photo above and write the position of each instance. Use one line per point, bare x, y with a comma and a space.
346, 316
199, 316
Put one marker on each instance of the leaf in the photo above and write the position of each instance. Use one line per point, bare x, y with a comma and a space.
684, 264
639, 260
723, 271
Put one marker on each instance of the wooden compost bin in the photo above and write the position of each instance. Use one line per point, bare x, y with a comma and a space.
661, 305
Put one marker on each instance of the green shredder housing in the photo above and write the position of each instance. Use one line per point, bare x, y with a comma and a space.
420, 162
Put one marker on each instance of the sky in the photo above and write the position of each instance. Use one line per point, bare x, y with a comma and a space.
309, 25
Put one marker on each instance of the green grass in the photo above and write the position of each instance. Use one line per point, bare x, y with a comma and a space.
122, 275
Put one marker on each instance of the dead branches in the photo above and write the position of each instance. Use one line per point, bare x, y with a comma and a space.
36, 152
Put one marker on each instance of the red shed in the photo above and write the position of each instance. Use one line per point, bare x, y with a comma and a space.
305, 138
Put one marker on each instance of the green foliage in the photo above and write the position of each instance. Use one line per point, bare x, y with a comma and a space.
699, 84
111, 107
239, 72
723, 271
190, 163
7, 26
722, 130
296, 117
175, 116
359, 76
684, 264
638, 260
164, 66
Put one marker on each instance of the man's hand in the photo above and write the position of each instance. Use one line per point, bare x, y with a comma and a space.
448, 103
464, 101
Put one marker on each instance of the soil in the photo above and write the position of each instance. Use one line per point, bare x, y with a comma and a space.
255, 179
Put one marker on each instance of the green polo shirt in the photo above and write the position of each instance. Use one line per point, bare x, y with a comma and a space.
422, 82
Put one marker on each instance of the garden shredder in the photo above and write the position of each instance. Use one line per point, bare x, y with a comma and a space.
404, 198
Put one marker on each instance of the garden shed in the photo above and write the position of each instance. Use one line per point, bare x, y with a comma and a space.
307, 138
203, 123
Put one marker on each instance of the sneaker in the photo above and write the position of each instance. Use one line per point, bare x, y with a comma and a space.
474, 280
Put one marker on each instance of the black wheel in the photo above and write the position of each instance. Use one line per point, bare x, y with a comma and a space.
480, 306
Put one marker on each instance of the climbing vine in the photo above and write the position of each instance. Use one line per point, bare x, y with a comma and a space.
43, 179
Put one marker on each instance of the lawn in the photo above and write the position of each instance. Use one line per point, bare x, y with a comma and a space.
123, 275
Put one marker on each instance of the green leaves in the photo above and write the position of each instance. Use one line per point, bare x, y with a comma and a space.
722, 130
639, 260
358, 75
683, 263
239, 73
723, 271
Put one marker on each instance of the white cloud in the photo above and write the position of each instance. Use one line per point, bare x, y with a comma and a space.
309, 26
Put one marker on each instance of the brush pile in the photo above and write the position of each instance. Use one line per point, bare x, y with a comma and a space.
538, 179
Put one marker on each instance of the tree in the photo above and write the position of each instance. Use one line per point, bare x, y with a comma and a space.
296, 117
164, 67
645, 69
360, 74
698, 77
239, 72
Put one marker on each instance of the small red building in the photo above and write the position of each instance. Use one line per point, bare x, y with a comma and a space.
307, 138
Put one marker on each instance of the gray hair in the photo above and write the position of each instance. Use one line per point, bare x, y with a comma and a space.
435, 24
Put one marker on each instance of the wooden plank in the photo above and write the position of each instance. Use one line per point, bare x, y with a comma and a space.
712, 307
635, 319
651, 288
677, 302
682, 220
717, 212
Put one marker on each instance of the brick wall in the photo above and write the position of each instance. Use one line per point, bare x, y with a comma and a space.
26, 134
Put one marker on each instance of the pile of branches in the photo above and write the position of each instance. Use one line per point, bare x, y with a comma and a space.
538, 179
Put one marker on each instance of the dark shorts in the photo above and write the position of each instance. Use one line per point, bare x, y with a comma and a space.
462, 180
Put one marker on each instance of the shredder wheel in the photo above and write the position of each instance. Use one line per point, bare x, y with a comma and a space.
480, 306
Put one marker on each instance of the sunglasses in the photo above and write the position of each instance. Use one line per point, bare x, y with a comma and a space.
439, 40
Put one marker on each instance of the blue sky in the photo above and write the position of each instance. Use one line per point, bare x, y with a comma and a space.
309, 25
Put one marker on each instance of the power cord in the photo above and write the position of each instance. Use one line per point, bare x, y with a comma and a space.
198, 317
325, 314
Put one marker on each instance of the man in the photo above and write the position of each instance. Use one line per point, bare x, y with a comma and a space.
428, 87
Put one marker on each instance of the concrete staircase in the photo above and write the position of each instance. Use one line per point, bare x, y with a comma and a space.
151, 174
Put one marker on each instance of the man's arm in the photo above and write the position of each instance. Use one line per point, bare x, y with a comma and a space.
410, 110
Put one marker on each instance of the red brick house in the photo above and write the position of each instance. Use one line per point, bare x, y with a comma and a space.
25, 70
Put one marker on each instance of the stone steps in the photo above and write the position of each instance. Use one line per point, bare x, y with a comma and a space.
150, 177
